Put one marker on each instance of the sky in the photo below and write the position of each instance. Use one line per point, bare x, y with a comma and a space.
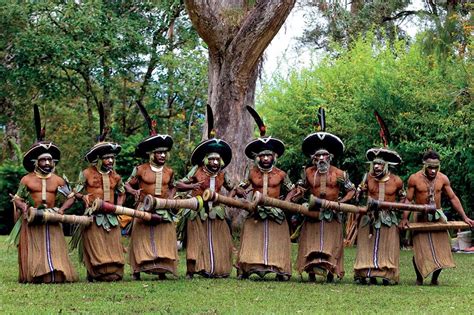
283, 54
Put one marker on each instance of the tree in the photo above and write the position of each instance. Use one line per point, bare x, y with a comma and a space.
236, 33
425, 104
73, 58
343, 21
446, 24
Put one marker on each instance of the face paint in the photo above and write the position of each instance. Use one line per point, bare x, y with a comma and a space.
45, 164
322, 160
431, 168
379, 169
108, 162
265, 161
213, 162
159, 157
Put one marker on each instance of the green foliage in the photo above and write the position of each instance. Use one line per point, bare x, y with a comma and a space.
10, 175
74, 57
425, 105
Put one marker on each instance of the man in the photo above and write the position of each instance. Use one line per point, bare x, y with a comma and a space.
265, 238
207, 237
321, 243
432, 250
208, 240
378, 243
42, 250
153, 247
101, 241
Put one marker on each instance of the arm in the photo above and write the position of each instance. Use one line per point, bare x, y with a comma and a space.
349, 187
188, 182
19, 200
240, 189
78, 190
228, 184
131, 182
66, 205
120, 188
402, 194
361, 190
171, 187
299, 190
65, 190
456, 203
409, 198
289, 186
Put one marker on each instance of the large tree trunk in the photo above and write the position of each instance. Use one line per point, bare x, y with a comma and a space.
236, 33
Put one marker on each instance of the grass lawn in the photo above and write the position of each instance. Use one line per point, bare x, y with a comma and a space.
455, 294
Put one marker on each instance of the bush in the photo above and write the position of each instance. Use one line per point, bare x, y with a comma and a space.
425, 105
10, 175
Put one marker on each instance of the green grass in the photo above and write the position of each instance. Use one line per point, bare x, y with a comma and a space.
454, 295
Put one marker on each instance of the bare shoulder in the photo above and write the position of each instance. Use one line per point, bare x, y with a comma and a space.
142, 167
443, 178
337, 171
414, 178
88, 171
58, 180
280, 172
27, 178
116, 176
397, 179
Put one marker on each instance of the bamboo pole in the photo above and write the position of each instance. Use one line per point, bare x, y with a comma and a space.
151, 203
40, 216
316, 203
107, 207
262, 200
377, 204
437, 226
209, 195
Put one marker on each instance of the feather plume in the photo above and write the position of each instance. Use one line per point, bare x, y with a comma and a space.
321, 119
150, 123
384, 133
37, 120
258, 121
211, 132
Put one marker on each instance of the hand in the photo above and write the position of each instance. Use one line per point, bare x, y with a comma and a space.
239, 191
403, 224
136, 193
298, 194
196, 185
86, 200
469, 221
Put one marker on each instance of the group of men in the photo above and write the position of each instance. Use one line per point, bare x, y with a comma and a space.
265, 245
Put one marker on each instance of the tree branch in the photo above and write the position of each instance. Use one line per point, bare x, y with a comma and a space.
256, 33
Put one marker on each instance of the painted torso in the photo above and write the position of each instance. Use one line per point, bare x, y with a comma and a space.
34, 186
94, 184
392, 187
313, 179
275, 180
146, 179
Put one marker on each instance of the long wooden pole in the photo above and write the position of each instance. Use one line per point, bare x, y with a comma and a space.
437, 226
39, 216
262, 200
209, 195
316, 203
107, 207
377, 204
151, 203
